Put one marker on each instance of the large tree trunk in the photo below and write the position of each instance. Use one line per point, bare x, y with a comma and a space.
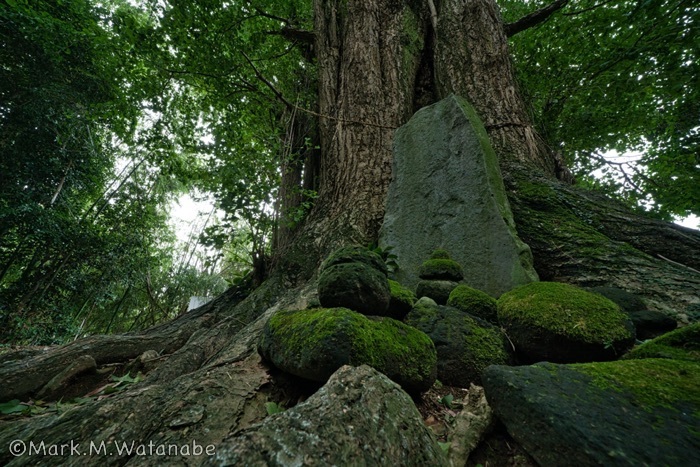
378, 61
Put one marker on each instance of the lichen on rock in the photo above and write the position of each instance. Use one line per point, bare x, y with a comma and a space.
438, 290
354, 254
354, 285
636, 412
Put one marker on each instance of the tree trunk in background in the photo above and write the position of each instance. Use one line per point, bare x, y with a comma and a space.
378, 61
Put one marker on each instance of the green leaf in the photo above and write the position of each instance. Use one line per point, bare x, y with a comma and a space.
273, 408
13, 406
447, 400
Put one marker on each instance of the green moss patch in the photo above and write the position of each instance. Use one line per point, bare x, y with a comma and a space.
474, 302
653, 382
440, 254
402, 300
314, 343
565, 309
441, 269
465, 345
681, 344
355, 254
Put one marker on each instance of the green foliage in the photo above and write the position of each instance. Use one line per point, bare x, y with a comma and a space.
619, 75
446, 400
273, 408
390, 259
82, 247
13, 406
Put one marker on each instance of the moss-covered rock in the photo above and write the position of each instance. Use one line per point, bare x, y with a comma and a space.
565, 324
681, 344
402, 300
440, 254
437, 290
636, 412
475, 302
441, 269
314, 343
355, 254
356, 286
465, 345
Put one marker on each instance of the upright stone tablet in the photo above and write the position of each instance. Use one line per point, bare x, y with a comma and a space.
447, 192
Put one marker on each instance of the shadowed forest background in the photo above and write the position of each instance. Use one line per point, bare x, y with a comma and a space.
111, 110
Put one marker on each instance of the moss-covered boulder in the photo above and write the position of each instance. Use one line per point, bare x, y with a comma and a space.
314, 343
647, 323
357, 286
402, 300
355, 254
628, 412
565, 324
475, 302
681, 344
438, 290
440, 254
465, 345
441, 269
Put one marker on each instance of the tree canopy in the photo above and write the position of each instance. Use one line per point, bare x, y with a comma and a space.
619, 76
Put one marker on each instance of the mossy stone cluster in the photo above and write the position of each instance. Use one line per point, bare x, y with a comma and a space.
439, 276
314, 343
475, 302
561, 323
356, 278
465, 344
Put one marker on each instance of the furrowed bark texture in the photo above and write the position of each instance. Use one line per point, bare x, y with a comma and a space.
472, 60
367, 92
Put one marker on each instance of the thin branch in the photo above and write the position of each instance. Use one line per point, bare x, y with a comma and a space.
585, 10
291, 106
271, 16
534, 18
295, 34
433, 14
267, 83
677, 264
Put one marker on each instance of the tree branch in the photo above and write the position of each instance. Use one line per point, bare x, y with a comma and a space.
267, 83
534, 18
433, 14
